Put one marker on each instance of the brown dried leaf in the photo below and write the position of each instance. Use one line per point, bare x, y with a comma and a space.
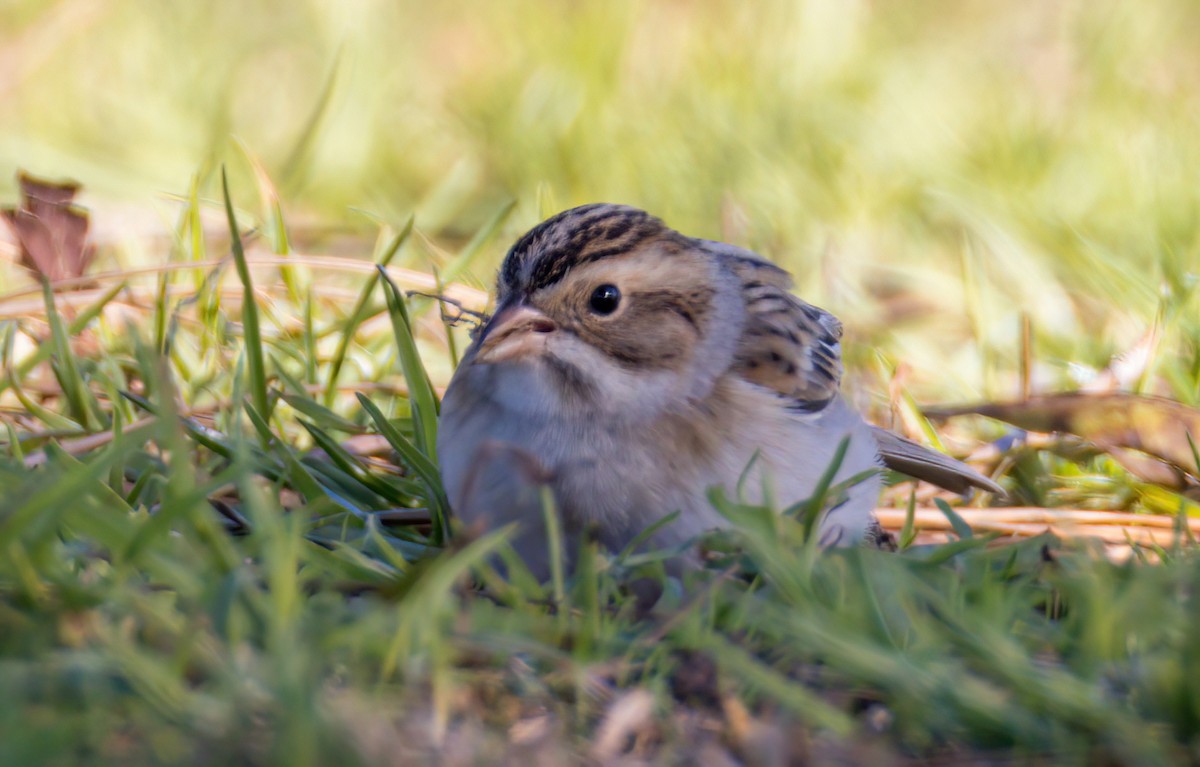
51, 232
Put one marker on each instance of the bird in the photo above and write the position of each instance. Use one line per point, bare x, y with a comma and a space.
628, 369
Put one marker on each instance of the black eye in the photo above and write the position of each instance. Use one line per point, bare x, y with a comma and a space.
604, 299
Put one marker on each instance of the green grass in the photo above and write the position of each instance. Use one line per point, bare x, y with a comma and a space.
222, 535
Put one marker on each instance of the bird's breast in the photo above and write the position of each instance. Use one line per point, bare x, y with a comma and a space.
618, 476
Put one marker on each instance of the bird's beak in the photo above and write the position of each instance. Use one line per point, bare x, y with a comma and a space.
514, 331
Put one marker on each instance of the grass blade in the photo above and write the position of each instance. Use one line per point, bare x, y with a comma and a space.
420, 391
908, 533
273, 214
421, 464
812, 508
478, 242
961, 528
297, 163
80, 402
74, 327
252, 335
359, 312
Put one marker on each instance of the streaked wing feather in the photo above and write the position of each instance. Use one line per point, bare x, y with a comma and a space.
788, 346
908, 457
793, 348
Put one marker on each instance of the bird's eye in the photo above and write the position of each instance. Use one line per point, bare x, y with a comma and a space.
604, 299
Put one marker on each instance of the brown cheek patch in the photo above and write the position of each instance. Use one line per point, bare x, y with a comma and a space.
692, 305
663, 311
657, 329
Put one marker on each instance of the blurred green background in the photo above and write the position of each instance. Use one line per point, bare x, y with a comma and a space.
930, 170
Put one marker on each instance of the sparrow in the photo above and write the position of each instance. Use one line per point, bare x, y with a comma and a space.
628, 369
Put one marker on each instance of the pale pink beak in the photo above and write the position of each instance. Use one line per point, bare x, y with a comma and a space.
515, 331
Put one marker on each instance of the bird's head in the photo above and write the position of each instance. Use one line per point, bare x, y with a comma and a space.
605, 308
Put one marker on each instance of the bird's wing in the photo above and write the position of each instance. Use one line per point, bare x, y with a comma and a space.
793, 348
908, 457
787, 345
